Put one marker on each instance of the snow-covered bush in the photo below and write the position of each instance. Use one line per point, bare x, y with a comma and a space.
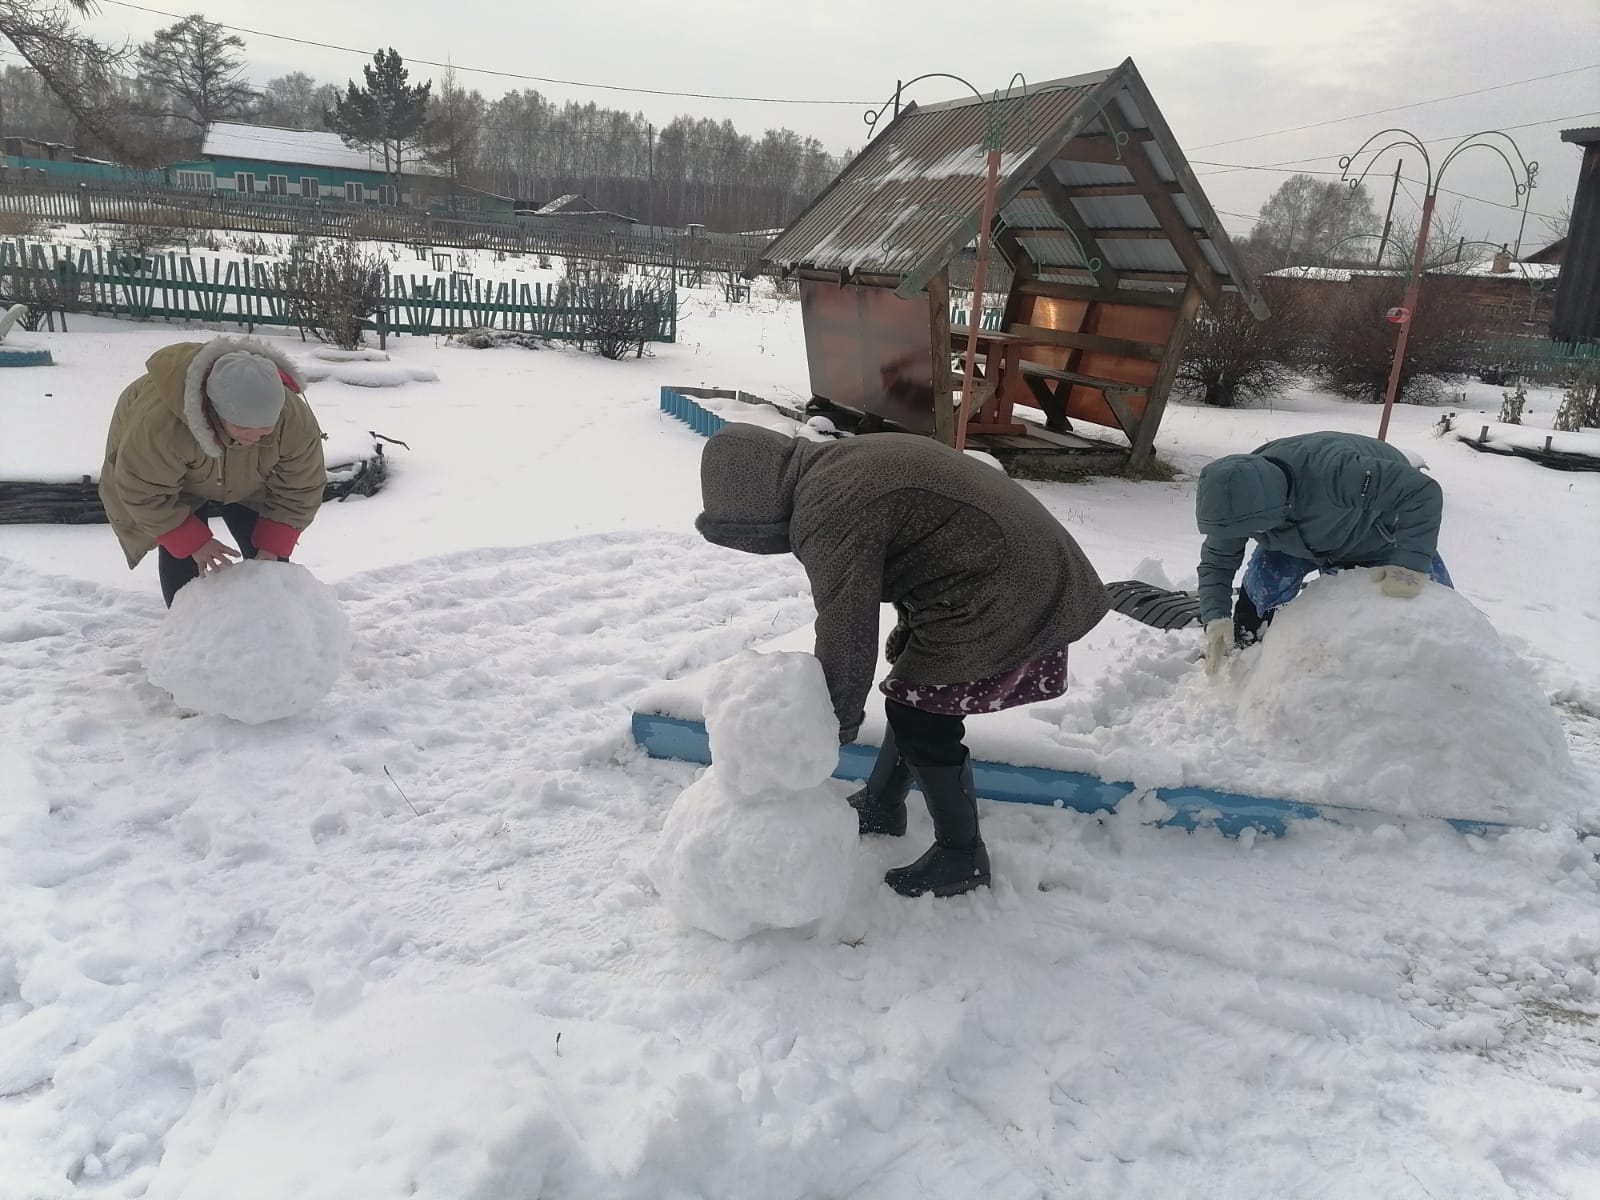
253, 246
1512, 404
617, 318
1580, 407
332, 287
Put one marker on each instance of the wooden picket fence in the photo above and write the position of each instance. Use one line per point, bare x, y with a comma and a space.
291, 216
1537, 360
249, 293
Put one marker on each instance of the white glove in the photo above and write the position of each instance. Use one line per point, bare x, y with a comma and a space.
1400, 582
1219, 640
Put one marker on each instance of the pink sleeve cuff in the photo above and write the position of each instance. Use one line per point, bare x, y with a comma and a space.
184, 540
275, 537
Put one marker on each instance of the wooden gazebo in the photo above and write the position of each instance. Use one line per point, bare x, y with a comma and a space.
1103, 248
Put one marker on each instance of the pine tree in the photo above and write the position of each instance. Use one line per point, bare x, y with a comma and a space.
384, 117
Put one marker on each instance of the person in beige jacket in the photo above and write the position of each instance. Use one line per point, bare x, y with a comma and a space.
218, 428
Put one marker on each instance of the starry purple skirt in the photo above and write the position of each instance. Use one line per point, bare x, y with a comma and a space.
1042, 678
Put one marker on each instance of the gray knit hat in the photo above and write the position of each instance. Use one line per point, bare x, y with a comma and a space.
244, 388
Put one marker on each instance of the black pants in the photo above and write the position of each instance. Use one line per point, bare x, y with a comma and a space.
175, 571
926, 739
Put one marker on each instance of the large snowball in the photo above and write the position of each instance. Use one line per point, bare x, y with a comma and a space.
1412, 707
734, 867
256, 642
771, 723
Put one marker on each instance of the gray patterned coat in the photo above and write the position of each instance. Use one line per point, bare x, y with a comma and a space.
983, 576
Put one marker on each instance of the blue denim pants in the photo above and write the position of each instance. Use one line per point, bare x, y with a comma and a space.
1272, 578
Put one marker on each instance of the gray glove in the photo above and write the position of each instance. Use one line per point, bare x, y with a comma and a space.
1219, 642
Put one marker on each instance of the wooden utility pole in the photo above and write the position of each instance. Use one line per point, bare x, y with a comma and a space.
1408, 309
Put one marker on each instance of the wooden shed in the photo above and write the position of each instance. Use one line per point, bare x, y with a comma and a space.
1577, 305
1104, 247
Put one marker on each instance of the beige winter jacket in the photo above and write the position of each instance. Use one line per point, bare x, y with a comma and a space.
164, 459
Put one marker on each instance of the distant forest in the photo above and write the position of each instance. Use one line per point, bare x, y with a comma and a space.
149, 105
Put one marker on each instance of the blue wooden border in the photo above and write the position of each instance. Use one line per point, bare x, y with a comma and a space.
1194, 807
696, 416
19, 356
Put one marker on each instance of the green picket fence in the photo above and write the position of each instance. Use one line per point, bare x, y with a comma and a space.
249, 293
1538, 360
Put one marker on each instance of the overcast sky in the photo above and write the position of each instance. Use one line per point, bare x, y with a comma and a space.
1219, 69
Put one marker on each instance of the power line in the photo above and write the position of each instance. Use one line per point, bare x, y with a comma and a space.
1284, 167
1289, 162
576, 83
1378, 112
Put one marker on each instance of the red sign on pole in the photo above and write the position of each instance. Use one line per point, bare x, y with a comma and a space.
1397, 316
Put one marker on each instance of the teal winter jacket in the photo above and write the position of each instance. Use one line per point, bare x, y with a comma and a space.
1338, 499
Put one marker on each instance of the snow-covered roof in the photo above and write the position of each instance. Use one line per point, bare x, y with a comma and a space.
570, 203
1517, 270
1522, 271
296, 147
1320, 274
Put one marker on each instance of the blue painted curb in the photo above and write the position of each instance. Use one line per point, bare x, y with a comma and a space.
693, 414
13, 356
1229, 813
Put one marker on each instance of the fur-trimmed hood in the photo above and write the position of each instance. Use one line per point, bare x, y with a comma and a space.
180, 373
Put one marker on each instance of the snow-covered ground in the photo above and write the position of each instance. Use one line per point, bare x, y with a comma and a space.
408, 944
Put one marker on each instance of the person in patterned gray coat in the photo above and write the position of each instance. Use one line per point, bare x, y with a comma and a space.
990, 591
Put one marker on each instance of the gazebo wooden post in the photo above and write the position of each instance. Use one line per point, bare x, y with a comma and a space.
975, 317
939, 342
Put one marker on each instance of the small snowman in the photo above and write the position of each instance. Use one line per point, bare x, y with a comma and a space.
760, 841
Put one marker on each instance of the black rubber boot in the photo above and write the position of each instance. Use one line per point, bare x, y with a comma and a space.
957, 861
881, 804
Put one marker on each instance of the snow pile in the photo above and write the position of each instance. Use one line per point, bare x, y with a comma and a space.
334, 354
1409, 708
362, 368
256, 642
760, 841
1416, 705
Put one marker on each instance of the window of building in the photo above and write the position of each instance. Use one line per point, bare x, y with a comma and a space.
354, 193
277, 185
200, 181
309, 187
244, 181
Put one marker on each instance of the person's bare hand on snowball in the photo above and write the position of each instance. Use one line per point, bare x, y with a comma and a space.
214, 556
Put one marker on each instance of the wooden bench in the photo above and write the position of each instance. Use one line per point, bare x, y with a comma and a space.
1033, 370
1040, 379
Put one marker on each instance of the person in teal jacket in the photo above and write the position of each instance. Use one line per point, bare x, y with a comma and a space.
1315, 502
